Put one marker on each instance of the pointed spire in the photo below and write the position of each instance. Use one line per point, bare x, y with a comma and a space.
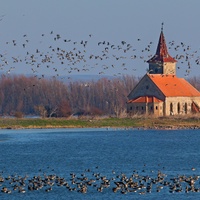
162, 48
162, 54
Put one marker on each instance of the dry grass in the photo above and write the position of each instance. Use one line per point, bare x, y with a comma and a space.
105, 121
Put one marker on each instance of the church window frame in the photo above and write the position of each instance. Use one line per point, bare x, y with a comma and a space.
186, 108
178, 108
171, 109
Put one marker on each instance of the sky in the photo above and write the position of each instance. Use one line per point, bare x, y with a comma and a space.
98, 37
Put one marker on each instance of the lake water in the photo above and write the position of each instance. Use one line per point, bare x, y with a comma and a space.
99, 154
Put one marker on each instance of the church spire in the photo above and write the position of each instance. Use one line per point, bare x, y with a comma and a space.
162, 54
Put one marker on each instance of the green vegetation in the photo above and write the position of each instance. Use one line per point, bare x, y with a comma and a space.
136, 122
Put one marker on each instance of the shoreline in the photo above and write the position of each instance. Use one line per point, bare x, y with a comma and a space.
124, 128
116, 123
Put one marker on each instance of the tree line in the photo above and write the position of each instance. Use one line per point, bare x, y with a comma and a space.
21, 95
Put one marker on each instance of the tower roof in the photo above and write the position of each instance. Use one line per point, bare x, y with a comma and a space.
162, 54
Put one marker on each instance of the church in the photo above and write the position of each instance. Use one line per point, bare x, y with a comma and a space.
160, 92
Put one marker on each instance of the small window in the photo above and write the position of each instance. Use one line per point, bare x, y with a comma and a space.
142, 108
156, 107
147, 87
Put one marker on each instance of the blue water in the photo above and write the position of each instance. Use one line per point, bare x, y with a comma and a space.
87, 152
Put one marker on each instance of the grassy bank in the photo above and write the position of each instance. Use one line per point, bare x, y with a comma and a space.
145, 122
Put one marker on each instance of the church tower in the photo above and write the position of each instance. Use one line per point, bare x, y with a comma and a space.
162, 62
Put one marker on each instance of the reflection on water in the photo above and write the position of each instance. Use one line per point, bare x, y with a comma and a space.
4, 137
74, 156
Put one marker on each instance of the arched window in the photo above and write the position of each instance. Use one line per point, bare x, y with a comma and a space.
178, 108
185, 108
171, 109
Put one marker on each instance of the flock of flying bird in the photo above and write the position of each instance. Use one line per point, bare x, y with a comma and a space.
60, 56
64, 56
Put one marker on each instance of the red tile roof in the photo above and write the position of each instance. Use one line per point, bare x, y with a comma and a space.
162, 54
172, 86
145, 99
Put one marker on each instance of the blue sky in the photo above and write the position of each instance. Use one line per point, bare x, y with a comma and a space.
30, 26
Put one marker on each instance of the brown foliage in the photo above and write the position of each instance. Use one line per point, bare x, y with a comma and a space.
18, 115
64, 109
195, 81
53, 98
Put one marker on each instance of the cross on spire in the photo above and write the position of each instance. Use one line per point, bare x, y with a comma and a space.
162, 26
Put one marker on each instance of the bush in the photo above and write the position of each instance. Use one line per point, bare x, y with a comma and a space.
18, 115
